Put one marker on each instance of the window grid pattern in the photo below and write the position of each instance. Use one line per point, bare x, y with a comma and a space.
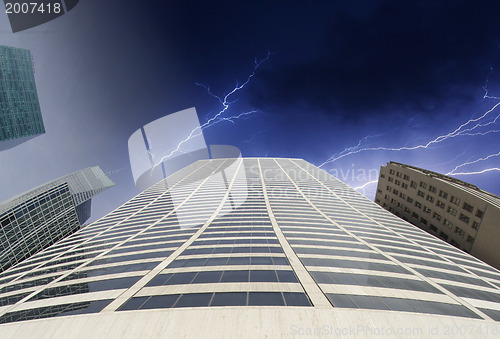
35, 224
341, 238
20, 114
463, 218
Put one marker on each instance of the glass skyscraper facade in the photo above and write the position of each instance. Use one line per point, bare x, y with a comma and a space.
238, 247
38, 218
20, 116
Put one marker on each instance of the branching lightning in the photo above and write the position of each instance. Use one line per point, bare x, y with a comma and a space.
477, 126
453, 171
456, 133
226, 103
496, 169
366, 184
469, 128
492, 169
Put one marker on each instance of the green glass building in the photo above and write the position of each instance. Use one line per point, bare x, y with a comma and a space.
40, 217
20, 115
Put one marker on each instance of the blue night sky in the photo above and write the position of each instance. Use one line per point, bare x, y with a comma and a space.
345, 85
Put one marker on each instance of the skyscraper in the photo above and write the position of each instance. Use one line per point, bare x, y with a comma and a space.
169, 144
20, 116
456, 211
281, 249
38, 218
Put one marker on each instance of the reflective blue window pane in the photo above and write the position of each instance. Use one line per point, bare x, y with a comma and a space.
229, 299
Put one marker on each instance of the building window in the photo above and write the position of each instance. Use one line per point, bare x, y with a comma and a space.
405, 186
419, 205
421, 194
459, 231
377, 201
402, 196
382, 175
389, 188
391, 179
468, 207
379, 191
470, 239
410, 200
443, 194
432, 189
413, 184
405, 177
415, 215
423, 184
455, 200
395, 192
393, 201
436, 216
475, 225
434, 228
391, 171
399, 175
429, 198
423, 221
440, 204
479, 214
443, 235
397, 182
407, 210
448, 223
464, 218
452, 211
427, 210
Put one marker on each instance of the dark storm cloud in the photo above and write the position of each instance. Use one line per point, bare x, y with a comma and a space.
416, 55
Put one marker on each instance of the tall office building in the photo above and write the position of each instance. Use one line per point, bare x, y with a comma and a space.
20, 116
457, 212
250, 248
40, 217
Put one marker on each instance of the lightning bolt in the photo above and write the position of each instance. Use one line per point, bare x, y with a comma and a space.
467, 128
453, 171
481, 123
225, 102
496, 169
366, 184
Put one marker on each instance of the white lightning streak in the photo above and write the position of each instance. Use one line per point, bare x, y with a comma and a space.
472, 162
479, 172
366, 184
226, 104
459, 131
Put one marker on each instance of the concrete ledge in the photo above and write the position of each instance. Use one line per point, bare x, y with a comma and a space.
254, 322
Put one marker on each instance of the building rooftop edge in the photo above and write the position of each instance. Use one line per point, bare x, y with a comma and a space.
26, 195
445, 177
